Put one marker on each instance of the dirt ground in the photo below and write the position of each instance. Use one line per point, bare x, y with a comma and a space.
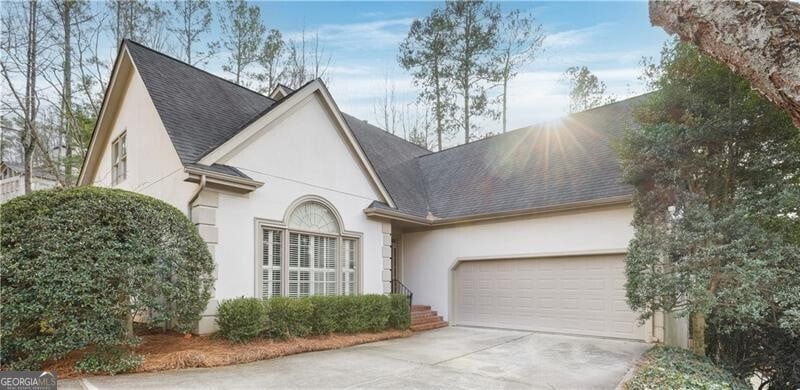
173, 351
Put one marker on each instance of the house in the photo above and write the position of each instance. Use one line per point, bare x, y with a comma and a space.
12, 180
525, 230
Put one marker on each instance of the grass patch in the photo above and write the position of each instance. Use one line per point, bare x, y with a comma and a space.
674, 368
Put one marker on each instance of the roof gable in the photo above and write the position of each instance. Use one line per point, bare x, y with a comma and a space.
199, 110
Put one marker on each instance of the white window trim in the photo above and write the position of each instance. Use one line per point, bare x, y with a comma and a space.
263, 223
116, 159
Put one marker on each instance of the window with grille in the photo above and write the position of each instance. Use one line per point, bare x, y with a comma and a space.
119, 159
318, 259
271, 263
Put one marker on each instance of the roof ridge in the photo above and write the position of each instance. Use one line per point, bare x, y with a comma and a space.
538, 125
128, 40
390, 133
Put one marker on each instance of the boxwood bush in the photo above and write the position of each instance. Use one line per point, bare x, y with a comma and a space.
242, 319
318, 315
78, 264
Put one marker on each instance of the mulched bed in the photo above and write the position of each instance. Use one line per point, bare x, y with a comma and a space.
173, 351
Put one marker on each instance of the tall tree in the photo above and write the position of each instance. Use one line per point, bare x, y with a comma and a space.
140, 20
425, 52
307, 60
243, 32
474, 27
271, 59
386, 109
519, 40
23, 62
716, 173
193, 18
585, 89
69, 14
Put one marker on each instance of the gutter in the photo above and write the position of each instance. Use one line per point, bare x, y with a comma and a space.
433, 221
196, 194
222, 181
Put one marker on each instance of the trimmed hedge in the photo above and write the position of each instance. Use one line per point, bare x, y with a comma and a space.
242, 319
77, 264
673, 368
317, 315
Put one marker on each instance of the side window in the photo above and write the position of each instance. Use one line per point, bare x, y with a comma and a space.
119, 159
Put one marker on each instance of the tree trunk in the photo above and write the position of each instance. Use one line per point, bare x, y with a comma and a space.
757, 39
698, 332
505, 102
30, 99
466, 115
66, 103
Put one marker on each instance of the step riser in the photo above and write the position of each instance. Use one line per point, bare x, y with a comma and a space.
423, 315
426, 320
432, 325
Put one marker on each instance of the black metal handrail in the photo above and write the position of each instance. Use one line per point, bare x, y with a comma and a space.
400, 288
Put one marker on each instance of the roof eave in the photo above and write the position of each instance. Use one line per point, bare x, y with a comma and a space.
572, 206
222, 181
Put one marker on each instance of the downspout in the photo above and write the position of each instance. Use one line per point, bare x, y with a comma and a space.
196, 194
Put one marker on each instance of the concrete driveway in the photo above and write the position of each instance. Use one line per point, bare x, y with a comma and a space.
454, 357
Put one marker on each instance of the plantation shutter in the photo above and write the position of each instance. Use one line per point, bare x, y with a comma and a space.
349, 263
271, 264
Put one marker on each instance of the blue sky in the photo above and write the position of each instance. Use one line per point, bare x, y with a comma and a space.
362, 39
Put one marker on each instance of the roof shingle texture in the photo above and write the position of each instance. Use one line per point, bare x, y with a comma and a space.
199, 110
540, 166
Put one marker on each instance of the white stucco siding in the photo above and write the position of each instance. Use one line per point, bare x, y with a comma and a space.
153, 166
429, 255
303, 154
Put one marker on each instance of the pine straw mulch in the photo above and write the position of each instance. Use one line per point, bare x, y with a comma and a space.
173, 351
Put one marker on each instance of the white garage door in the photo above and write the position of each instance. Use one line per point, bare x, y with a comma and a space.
577, 295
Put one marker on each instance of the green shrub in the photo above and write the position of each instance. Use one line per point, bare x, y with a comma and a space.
399, 312
78, 263
242, 319
321, 315
109, 360
287, 317
672, 368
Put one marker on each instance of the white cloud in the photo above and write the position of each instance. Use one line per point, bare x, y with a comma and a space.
381, 34
570, 38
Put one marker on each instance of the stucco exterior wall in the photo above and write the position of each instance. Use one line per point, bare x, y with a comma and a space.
298, 155
153, 166
427, 256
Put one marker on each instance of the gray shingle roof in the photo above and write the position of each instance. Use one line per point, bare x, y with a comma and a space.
199, 110
540, 166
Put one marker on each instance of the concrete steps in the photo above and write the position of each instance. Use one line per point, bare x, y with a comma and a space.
423, 318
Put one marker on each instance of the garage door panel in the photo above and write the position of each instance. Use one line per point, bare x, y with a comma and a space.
580, 295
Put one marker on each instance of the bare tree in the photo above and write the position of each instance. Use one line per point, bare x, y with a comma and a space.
307, 60
193, 19
519, 40
756, 39
139, 20
271, 59
243, 31
23, 62
386, 110
585, 89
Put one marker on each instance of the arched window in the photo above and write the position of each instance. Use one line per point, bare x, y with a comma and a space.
316, 257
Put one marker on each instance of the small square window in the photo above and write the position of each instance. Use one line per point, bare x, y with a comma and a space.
119, 159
